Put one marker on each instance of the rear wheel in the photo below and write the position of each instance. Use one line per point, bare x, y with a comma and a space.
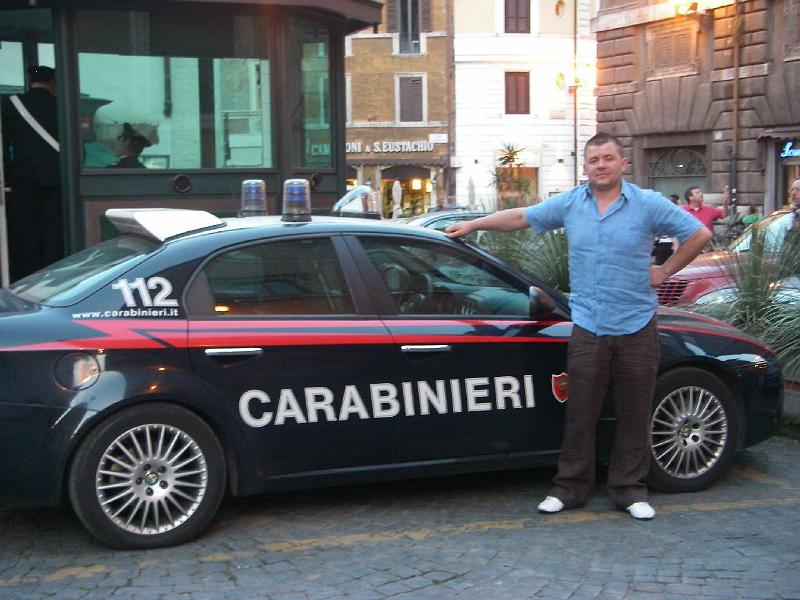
147, 477
693, 430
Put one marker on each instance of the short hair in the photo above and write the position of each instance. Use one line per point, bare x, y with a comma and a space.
689, 191
601, 138
41, 74
674, 197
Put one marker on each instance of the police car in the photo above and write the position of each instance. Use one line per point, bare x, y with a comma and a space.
191, 357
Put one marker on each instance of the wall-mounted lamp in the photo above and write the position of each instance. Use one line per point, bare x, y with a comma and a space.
416, 184
685, 8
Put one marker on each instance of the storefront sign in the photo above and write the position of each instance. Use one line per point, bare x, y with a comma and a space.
789, 151
391, 146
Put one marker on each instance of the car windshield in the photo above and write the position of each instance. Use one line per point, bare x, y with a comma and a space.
71, 279
777, 225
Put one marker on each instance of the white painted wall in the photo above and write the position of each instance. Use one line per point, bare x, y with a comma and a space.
482, 128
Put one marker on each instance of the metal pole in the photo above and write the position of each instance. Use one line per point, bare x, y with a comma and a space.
735, 116
575, 94
4, 275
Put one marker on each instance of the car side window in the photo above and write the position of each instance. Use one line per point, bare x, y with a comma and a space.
279, 278
425, 278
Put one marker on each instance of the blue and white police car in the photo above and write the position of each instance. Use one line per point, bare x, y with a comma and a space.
191, 357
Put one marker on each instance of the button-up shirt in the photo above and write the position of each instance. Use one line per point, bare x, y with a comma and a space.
609, 254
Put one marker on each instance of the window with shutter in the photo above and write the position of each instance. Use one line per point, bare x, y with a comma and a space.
672, 49
518, 16
517, 93
792, 24
411, 104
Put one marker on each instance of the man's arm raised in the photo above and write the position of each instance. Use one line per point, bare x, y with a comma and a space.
503, 220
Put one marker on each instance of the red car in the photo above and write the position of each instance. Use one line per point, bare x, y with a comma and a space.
707, 272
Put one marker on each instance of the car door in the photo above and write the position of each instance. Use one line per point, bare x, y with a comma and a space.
281, 331
473, 371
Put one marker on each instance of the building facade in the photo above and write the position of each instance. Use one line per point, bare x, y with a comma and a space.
524, 98
704, 93
399, 99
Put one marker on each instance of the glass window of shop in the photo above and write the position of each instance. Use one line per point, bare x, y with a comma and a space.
164, 90
309, 94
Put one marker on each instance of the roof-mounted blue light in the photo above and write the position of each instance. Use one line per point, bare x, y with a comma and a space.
254, 198
296, 200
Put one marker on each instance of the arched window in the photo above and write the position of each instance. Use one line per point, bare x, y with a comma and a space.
673, 170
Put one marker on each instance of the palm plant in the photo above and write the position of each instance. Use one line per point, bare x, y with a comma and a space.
757, 305
783, 318
544, 255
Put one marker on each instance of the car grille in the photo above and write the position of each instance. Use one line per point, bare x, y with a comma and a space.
670, 292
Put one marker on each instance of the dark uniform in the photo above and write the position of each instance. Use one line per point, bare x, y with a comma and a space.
33, 207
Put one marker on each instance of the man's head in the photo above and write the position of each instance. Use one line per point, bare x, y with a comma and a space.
694, 196
604, 162
674, 198
43, 77
794, 193
131, 141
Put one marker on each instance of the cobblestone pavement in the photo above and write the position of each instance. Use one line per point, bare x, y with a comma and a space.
471, 537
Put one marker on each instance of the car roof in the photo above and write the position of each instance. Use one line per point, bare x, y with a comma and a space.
169, 225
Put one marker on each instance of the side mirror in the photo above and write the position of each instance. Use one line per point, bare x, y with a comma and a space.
541, 304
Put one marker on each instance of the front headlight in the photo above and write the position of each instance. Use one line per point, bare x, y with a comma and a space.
77, 371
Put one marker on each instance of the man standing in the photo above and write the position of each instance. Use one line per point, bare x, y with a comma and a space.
704, 213
610, 224
30, 139
794, 203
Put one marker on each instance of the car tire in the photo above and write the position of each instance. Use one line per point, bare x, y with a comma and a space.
694, 430
147, 477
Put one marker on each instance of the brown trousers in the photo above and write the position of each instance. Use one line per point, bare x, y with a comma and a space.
627, 365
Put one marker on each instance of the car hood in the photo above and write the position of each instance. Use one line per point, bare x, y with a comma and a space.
11, 304
711, 264
682, 320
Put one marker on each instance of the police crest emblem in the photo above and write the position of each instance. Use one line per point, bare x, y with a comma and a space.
560, 386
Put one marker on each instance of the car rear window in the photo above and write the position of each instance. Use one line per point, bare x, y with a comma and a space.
73, 278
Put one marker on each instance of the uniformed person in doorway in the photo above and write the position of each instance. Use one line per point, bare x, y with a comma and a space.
31, 153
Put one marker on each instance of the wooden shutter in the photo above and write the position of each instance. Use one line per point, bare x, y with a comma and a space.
391, 16
518, 16
426, 19
411, 99
517, 93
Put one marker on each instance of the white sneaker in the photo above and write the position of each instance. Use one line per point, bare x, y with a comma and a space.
641, 510
551, 505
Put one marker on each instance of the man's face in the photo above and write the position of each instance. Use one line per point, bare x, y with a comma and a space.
794, 193
604, 165
696, 197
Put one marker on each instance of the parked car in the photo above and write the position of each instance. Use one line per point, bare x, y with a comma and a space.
191, 357
708, 272
441, 219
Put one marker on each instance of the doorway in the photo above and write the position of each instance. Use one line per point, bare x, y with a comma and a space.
26, 40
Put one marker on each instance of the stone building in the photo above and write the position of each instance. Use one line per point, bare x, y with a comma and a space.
703, 93
399, 99
441, 87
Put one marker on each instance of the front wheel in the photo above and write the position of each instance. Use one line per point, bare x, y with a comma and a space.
149, 476
693, 430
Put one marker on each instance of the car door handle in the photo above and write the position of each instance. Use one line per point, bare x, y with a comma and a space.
224, 352
426, 348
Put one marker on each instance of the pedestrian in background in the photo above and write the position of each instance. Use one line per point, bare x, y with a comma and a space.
702, 212
33, 206
675, 199
614, 346
751, 217
794, 203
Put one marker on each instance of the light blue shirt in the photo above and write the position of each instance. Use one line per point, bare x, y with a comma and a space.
609, 255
